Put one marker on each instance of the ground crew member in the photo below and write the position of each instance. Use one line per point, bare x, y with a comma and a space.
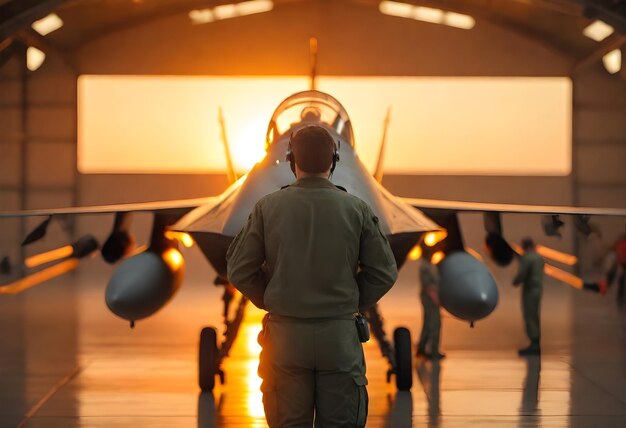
620, 264
530, 275
429, 294
312, 255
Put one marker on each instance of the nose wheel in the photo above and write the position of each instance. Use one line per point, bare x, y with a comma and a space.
404, 359
398, 354
208, 360
210, 355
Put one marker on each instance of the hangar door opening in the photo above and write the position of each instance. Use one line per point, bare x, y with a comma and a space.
463, 125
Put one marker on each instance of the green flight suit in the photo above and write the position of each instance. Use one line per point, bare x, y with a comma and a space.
530, 275
312, 255
429, 280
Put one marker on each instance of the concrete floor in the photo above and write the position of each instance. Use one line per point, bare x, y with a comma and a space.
65, 361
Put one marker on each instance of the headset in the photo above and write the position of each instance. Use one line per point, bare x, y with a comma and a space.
289, 157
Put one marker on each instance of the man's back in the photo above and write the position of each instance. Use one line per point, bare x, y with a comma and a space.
313, 237
312, 255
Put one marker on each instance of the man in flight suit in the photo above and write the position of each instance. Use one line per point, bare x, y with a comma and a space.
429, 281
530, 275
312, 255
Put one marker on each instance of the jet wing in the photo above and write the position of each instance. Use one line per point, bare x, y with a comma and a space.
461, 206
180, 204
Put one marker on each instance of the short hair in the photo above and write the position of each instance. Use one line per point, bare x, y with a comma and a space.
528, 244
313, 148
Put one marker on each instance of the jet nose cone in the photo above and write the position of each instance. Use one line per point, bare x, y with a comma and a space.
467, 290
140, 286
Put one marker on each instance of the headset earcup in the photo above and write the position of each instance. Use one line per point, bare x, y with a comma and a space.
335, 160
292, 163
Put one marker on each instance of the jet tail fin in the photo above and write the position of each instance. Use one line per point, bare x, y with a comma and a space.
378, 172
230, 169
313, 61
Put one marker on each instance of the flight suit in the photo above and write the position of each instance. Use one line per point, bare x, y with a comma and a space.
429, 279
530, 275
312, 255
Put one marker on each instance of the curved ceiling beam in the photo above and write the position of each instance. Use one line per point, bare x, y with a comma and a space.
18, 14
611, 12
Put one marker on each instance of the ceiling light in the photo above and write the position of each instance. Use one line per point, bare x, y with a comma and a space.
34, 58
48, 24
598, 31
613, 61
201, 16
428, 14
254, 6
395, 8
225, 11
459, 20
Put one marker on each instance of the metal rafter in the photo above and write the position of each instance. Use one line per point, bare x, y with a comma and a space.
18, 14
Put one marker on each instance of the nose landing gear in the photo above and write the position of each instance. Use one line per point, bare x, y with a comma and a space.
398, 355
210, 355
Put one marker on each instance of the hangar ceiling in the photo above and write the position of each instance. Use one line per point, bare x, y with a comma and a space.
557, 24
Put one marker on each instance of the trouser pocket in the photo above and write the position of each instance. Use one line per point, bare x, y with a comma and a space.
362, 401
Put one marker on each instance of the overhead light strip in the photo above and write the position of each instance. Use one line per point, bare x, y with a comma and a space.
34, 58
228, 11
613, 61
48, 24
427, 14
598, 31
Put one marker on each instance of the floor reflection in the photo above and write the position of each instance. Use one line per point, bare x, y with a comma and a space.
428, 373
147, 377
530, 395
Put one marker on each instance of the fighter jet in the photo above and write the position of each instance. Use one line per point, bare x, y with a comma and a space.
147, 279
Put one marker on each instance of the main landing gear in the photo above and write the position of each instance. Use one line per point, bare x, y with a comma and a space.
210, 355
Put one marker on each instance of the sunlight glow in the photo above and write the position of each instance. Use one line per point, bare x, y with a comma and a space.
563, 276
48, 24
556, 255
433, 238
437, 257
254, 401
157, 124
49, 256
173, 258
182, 237
415, 253
40, 277
474, 253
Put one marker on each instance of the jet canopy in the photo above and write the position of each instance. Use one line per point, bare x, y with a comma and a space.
309, 108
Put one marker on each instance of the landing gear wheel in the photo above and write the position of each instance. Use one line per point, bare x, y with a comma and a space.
207, 359
404, 358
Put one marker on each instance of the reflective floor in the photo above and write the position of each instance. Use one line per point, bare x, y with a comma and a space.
65, 361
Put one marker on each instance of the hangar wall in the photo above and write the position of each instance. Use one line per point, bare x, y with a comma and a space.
37, 147
354, 39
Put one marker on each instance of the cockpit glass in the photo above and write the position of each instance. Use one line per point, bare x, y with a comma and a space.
309, 107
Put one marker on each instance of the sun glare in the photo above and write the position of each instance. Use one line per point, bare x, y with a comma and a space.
169, 124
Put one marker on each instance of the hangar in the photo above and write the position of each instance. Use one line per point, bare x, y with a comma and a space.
109, 102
